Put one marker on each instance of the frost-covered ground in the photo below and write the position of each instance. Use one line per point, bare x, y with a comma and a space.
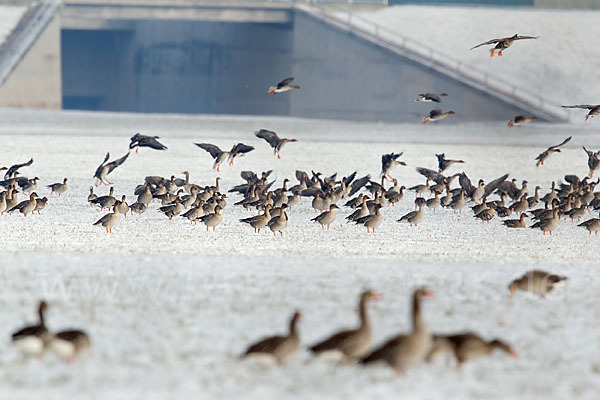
561, 66
169, 306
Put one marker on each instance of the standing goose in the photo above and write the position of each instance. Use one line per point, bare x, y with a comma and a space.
139, 140
594, 109
467, 346
279, 223
172, 210
259, 221
70, 344
40, 204
520, 120
283, 86
123, 206
212, 219
550, 150
351, 344
280, 349
537, 282
27, 185
429, 97
106, 201
516, 223
389, 161
27, 206
327, 217
110, 220
459, 202
274, 141
32, 340
138, 208
404, 351
592, 225
372, 221
415, 217
436, 115
60, 188
548, 224
221, 156
106, 168
503, 43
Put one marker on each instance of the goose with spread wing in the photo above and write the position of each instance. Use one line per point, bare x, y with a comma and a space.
520, 120
429, 97
138, 140
274, 141
436, 115
106, 168
220, 156
283, 86
594, 109
550, 150
11, 172
389, 161
503, 43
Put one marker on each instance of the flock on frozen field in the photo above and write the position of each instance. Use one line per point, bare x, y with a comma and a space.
570, 197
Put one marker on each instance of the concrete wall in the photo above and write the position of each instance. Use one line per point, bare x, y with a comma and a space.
347, 77
36, 81
178, 66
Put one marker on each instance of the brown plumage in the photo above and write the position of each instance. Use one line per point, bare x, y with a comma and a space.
467, 346
537, 282
281, 348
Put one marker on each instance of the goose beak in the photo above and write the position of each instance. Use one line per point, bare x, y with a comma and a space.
513, 353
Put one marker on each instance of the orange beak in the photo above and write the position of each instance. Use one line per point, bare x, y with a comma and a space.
376, 296
429, 293
512, 292
513, 353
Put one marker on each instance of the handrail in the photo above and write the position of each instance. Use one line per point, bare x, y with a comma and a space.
441, 62
26, 38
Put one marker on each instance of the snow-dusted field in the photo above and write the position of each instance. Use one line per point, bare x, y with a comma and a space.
9, 18
560, 66
169, 306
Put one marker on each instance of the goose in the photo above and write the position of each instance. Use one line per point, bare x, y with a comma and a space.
548, 224
110, 220
459, 202
436, 115
32, 340
70, 344
594, 109
444, 163
220, 156
3, 202
172, 210
521, 120
537, 282
146, 196
389, 161
213, 219
550, 150
40, 204
327, 217
105, 168
593, 160
503, 43
91, 196
351, 344
27, 206
28, 185
60, 188
12, 170
278, 349
259, 221
274, 140
415, 217
407, 350
278, 223
467, 346
434, 202
123, 207
430, 97
283, 86
592, 225
516, 223
359, 212
139, 140
138, 208
106, 201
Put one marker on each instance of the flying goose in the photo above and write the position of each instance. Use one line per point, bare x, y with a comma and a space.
283, 86
444, 163
220, 156
106, 168
436, 115
550, 150
274, 141
594, 110
139, 140
389, 161
520, 120
429, 97
503, 43
11, 172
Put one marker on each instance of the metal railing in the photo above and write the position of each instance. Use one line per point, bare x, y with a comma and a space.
26, 38
346, 19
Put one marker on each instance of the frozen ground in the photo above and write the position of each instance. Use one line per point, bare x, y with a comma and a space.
169, 306
560, 66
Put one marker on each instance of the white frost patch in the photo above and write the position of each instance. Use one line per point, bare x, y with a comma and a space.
9, 18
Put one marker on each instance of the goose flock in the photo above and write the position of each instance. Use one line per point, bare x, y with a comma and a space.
569, 198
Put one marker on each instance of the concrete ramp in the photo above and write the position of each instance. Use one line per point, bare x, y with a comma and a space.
345, 20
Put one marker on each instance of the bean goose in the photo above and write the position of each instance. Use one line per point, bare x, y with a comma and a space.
537, 282
70, 344
351, 344
32, 340
280, 349
60, 188
467, 346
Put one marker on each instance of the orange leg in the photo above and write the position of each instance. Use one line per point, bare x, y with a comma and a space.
368, 229
278, 155
214, 228
426, 120
207, 229
281, 233
500, 53
327, 227
137, 149
492, 53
